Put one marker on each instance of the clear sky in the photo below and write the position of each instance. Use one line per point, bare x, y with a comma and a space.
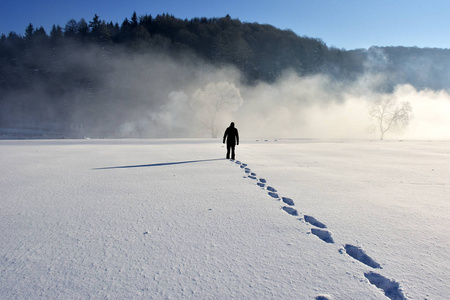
345, 24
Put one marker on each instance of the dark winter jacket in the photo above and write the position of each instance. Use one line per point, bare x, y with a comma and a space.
231, 135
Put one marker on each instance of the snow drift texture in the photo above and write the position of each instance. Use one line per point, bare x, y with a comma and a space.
291, 219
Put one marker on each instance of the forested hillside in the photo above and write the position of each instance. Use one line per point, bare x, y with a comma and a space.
94, 70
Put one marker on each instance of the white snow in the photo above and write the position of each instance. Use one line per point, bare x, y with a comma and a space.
173, 219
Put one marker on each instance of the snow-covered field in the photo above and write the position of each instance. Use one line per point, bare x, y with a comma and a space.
173, 219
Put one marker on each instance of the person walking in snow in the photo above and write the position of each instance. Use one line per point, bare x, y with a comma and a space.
232, 136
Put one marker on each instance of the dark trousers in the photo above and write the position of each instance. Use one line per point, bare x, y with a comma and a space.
230, 147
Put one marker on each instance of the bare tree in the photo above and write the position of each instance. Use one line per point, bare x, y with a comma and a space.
215, 103
390, 115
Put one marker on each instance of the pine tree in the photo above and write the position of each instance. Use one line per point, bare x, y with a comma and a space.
29, 31
56, 34
71, 28
83, 29
94, 26
134, 20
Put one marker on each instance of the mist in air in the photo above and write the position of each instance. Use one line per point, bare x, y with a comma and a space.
154, 95
292, 107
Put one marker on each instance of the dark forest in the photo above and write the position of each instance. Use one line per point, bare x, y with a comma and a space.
86, 74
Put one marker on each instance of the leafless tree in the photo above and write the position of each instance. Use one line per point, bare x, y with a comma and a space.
215, 103
389, 114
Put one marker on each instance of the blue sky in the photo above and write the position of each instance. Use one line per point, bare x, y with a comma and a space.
345, 24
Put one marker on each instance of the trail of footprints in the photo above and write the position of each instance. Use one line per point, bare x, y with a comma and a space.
390, 288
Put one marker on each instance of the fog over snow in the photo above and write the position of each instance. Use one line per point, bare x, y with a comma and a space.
303, 107
153, 95
319, 108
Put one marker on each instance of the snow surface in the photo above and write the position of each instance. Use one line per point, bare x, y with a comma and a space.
173, 219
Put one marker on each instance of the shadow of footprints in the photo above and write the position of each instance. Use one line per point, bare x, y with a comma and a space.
272, 192
358, 254
247, 170
290, 210
271, 189
274, 195
313, 221
390, 288
288, 201
322, 234
261, 182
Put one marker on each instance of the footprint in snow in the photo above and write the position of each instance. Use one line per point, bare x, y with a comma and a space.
288, 201
271, 189
390, 288
324, 235
313, 221
358, 254
323, 297
273, 195
290, 210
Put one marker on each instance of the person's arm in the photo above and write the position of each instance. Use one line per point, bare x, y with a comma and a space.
237, 137
225, 135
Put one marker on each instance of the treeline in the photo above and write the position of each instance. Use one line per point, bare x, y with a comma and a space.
52, 79
261, 52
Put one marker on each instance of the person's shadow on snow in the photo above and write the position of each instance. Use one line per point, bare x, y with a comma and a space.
160, 164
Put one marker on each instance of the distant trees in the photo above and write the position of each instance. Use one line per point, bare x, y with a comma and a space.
29, 31
72, 65
71, 28
260, 52
63, 78
56, 34
390, 115
215, 104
